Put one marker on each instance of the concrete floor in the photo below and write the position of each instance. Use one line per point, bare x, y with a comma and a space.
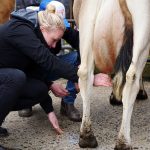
36, 133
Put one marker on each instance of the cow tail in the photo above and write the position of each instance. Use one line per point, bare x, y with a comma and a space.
124, 58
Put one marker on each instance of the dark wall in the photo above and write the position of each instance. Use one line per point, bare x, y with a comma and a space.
24, 3
67, 4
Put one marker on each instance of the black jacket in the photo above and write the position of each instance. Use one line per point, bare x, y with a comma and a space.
22, 45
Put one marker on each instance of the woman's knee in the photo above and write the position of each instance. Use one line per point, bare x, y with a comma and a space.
35, 89
42, 91
14, 77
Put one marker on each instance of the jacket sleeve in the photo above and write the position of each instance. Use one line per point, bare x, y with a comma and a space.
72, 37
25, 40
47, 105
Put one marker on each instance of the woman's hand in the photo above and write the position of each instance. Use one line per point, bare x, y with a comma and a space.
58, 90
53, 120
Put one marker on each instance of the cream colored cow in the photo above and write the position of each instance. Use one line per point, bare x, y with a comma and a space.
112, 33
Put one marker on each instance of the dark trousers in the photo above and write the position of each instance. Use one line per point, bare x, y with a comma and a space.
18, 92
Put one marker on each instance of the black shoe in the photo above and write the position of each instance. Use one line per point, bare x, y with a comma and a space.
2, 148
70, 111
3, 132
6, 148
25, 112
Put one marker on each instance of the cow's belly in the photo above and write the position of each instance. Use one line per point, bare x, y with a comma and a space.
108, 35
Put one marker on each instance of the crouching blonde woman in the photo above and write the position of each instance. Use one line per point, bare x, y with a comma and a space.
24, 51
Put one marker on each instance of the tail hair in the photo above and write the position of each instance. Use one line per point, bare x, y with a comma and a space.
124, 58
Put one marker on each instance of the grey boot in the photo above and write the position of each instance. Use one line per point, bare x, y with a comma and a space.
6, 148
70, 111
25, 112
3, 132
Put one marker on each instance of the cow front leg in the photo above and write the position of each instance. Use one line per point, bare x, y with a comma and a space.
87, 138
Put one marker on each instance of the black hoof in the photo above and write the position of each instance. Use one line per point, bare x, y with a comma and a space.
113, 101
3, 132
122, 147
88, 141
6, 148
142, 95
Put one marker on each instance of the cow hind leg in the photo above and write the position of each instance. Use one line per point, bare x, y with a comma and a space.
140, 53
129, 94
87, 138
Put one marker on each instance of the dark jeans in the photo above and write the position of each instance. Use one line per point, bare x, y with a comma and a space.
18, 92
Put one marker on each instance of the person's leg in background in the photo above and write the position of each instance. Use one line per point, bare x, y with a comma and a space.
67, 103
11, 84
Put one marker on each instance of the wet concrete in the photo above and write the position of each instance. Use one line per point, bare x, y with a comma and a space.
36, 133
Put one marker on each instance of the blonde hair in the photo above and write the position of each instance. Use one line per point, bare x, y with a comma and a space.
49, 19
